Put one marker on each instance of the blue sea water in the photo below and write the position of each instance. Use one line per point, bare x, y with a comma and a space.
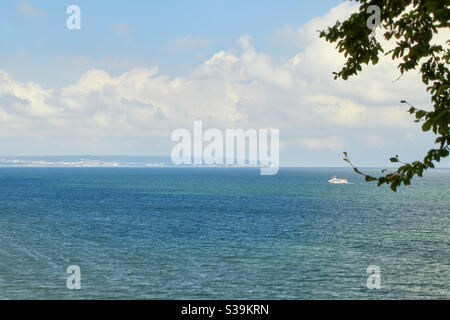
218, 233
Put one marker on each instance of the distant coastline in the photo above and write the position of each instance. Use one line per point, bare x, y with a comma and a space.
101, 161
83, 161
89, 161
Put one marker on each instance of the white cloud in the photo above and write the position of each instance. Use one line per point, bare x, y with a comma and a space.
239, 88
288, 35
25, 99
29, 10
327, 143
220, 58
376, 141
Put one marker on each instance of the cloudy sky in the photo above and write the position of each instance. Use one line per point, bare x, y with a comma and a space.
139, 70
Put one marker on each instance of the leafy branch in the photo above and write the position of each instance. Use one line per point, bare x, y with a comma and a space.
413, 24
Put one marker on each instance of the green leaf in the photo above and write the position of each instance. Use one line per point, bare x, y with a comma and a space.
426, 126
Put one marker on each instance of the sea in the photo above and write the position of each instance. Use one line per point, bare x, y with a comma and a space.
221, 233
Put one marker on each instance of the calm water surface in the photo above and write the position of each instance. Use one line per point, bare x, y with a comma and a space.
185, 233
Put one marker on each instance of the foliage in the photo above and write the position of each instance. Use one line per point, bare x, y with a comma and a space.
412, 24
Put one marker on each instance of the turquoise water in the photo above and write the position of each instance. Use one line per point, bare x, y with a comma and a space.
186, 233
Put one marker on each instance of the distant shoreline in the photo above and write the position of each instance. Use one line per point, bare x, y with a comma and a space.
118, 161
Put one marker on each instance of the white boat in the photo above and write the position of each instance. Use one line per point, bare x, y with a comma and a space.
335, 180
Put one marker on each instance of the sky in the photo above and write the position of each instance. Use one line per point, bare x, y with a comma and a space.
138, 70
